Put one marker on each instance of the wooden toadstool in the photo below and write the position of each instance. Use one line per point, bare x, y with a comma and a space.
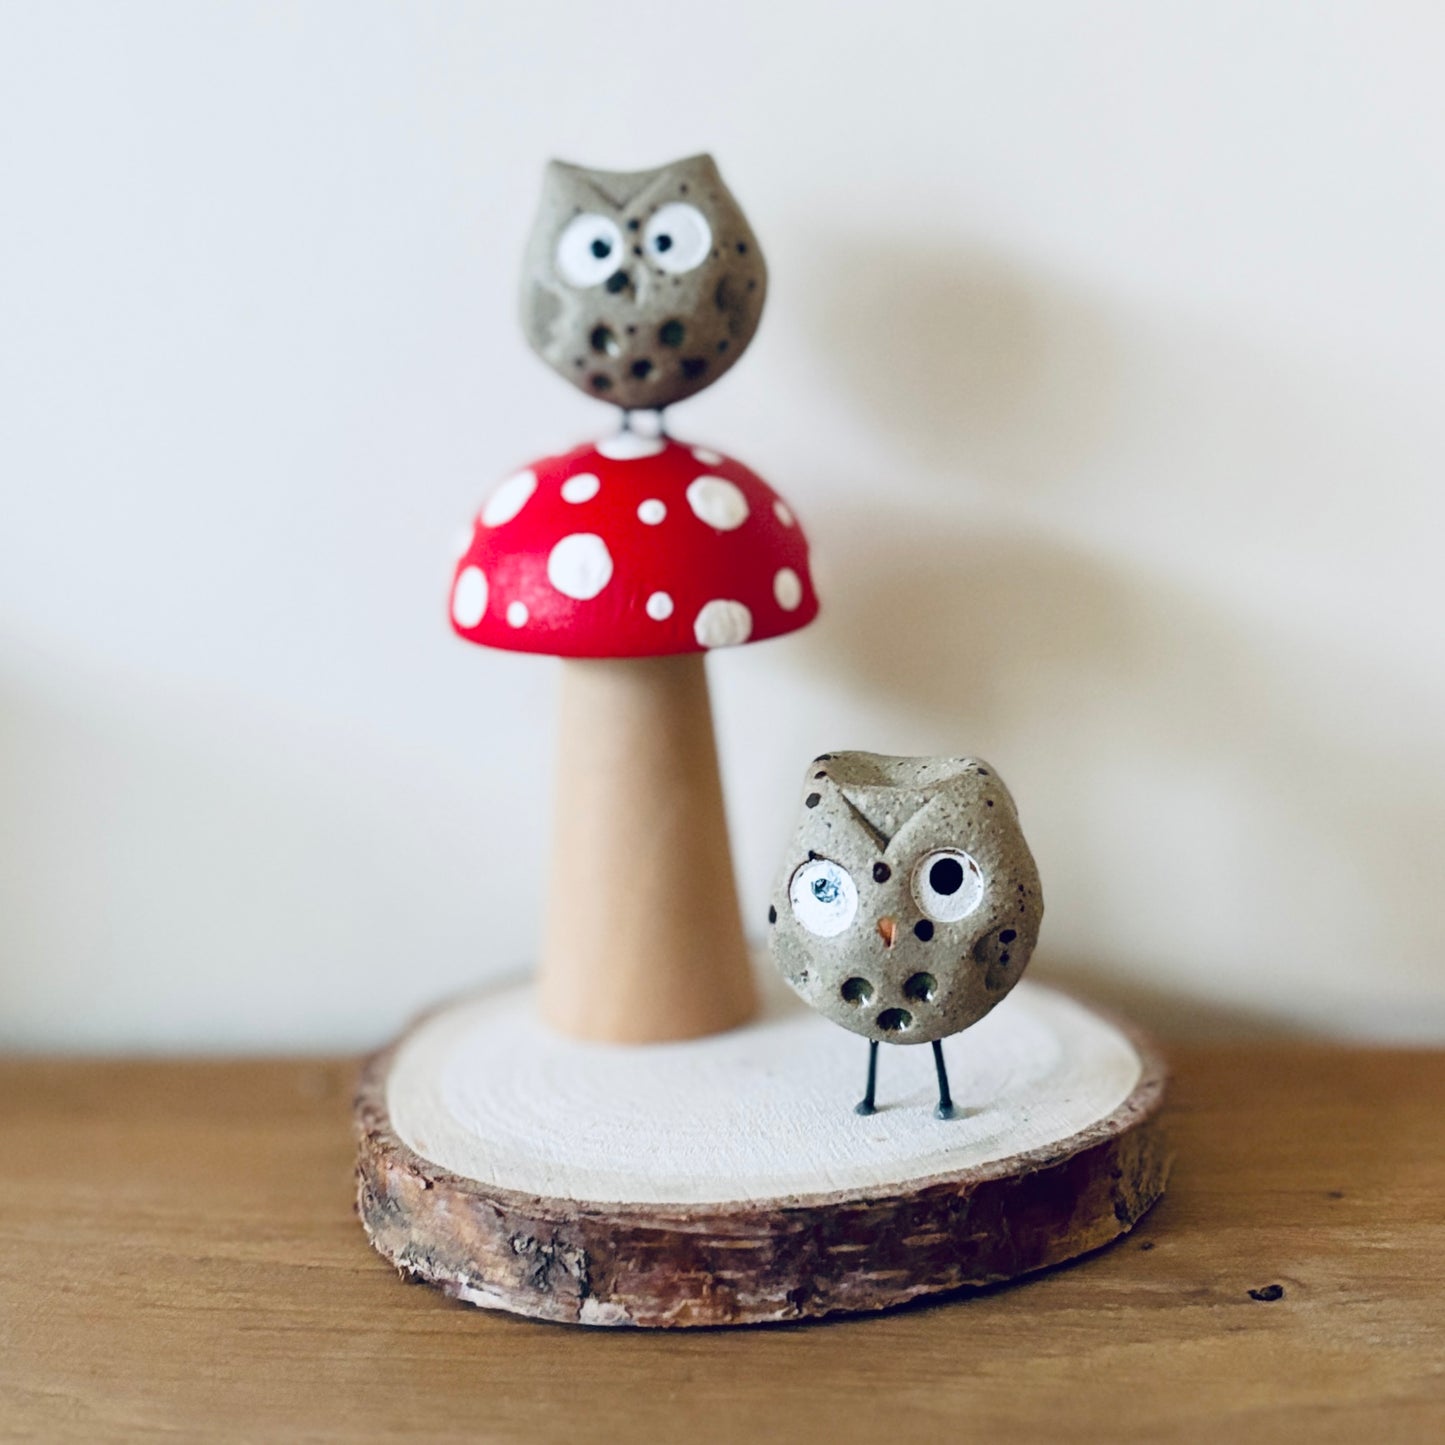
631, 559
718, 1182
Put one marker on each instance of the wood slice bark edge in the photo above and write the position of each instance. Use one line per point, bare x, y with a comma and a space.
758, 1261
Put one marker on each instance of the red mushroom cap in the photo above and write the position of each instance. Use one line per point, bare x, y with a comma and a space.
632, 547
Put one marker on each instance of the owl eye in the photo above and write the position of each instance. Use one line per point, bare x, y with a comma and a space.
678, 237
589, 250
824, 897
948, 885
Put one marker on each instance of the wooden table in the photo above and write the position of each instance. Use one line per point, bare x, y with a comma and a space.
179, 1256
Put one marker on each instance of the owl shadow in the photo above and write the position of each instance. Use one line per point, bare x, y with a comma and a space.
964, 358
1085, 671
1065, 669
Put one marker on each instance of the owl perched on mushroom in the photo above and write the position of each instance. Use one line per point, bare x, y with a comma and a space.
908, 903
641, 287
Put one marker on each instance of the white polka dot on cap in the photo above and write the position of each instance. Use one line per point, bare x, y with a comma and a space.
651, 511
628, 446
581, 488
718, 502
509, 498
659, 606
469, 597
788, 589
580, 566
517, 614
722, 623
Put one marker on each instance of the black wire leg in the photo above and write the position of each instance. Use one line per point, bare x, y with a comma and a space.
945, 1099
866, 1106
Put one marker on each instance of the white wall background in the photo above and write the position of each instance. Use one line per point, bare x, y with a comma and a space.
1103, 361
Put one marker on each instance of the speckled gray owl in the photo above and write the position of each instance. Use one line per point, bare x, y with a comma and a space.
908, 903
641, 287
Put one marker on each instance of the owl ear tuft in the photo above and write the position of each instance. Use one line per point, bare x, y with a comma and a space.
701, 168
560, 175
568, 169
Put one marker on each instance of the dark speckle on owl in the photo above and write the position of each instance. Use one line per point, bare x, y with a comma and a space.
908, 903
641, 287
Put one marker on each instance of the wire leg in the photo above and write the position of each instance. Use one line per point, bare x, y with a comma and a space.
866, 1106
945, 1099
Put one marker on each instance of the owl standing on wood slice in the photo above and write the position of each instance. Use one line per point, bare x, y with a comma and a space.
908, 903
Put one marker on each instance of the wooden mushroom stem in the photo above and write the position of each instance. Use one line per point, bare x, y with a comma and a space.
644, 942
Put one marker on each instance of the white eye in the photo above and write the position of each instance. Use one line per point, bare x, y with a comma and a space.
824, 897
678, 237
589, 250
948, 885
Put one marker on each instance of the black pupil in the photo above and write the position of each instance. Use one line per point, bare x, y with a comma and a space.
946, 876
663, 242
602, 248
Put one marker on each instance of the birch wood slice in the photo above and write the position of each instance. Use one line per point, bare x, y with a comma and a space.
727, 1180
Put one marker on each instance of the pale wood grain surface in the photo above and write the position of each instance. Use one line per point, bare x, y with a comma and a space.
178, 1258
729, 1181
482, 1088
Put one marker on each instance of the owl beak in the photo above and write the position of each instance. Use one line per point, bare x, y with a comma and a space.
887, 930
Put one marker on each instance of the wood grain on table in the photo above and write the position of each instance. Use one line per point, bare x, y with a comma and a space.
179, 1256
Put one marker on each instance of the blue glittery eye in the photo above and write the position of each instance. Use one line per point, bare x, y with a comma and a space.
823, 896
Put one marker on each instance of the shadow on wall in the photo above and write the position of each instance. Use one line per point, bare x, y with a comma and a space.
967, 362
1198, 821
1226, 816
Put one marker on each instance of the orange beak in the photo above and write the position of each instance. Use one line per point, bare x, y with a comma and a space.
887, 929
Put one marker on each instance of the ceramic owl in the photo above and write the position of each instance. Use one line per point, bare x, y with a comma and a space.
641, 287
908, 903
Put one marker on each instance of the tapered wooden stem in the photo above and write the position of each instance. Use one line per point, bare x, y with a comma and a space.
644, 942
